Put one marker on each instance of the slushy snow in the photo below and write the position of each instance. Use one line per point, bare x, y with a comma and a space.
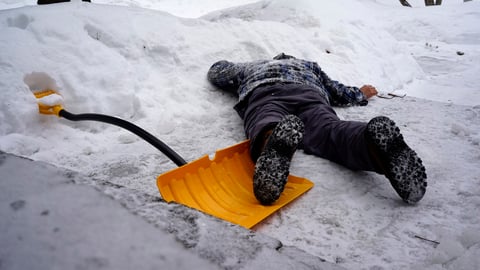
146, 62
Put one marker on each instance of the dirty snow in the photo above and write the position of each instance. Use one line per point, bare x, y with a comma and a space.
145, 61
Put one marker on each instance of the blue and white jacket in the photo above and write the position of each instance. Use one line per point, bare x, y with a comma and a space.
243, 78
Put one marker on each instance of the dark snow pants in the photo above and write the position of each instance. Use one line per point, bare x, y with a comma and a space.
325, 136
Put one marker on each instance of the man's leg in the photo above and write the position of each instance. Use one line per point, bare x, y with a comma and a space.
275, 134
375, 146
342, 142
260, 125
264, 111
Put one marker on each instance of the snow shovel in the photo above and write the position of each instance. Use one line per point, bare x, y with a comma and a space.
221, 187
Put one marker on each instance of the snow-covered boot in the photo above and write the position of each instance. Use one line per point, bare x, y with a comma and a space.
273, 165
399, 162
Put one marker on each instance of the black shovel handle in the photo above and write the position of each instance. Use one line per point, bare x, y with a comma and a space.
172, 155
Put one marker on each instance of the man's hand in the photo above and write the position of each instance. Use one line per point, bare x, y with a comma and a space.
368, 90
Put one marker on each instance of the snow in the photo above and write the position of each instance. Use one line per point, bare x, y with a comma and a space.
51, 100
145, 61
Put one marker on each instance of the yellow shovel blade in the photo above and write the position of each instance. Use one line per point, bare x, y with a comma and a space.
223, 187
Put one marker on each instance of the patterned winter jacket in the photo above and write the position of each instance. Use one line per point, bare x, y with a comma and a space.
243, 78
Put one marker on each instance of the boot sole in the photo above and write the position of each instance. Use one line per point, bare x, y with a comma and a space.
273, 165
402, 165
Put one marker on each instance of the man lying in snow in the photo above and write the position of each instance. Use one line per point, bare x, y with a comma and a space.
286, 103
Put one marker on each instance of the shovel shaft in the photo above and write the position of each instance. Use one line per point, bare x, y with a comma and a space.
165, 149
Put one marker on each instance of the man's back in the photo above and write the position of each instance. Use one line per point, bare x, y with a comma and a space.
243, 78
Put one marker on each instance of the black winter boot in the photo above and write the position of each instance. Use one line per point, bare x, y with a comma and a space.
399, 162
273, 165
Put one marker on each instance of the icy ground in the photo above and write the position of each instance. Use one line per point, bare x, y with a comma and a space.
49, 222
149, 66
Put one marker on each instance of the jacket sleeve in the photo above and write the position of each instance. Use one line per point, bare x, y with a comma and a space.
340, 94
226, 75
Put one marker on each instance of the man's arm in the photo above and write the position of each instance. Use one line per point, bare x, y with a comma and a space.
342, 95
226, 75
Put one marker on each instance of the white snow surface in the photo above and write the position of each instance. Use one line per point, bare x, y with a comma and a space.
146, 61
